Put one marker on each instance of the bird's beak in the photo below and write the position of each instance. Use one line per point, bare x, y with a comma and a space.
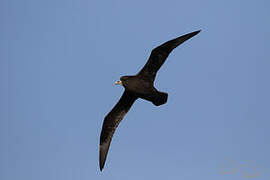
118, 82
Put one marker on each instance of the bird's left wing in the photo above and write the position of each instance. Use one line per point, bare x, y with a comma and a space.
160, 54
110, 123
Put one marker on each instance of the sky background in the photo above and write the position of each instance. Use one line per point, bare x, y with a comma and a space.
60, 58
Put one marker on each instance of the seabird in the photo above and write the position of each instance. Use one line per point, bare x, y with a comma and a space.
140, 85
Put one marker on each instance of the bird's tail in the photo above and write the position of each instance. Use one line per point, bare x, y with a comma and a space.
160, 98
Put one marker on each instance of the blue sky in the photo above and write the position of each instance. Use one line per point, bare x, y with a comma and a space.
60, 58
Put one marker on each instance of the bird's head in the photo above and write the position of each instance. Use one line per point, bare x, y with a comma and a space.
122, 80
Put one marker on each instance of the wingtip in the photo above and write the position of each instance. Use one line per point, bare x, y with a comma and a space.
102, 159
100, 168
190, 35
103, 152
196, 32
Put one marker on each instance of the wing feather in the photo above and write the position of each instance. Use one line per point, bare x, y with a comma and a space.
160, 54
110, 123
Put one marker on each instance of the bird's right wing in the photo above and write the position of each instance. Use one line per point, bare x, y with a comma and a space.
160, 54
111, 122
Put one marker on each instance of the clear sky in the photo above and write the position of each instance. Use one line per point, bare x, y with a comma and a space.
60, 58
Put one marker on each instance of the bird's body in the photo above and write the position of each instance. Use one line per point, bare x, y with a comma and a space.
137, 85
140, 85
141, 88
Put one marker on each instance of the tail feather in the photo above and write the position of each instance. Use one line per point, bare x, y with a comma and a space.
160, 98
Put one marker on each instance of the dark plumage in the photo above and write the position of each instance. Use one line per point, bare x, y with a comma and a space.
138, 86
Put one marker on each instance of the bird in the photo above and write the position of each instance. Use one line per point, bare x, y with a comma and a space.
137, 86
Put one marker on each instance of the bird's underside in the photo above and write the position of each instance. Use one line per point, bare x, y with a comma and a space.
138, 86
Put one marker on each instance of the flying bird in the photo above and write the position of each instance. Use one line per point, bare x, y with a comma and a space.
140, 85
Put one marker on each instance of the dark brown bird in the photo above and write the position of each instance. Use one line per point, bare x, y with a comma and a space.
139, 86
